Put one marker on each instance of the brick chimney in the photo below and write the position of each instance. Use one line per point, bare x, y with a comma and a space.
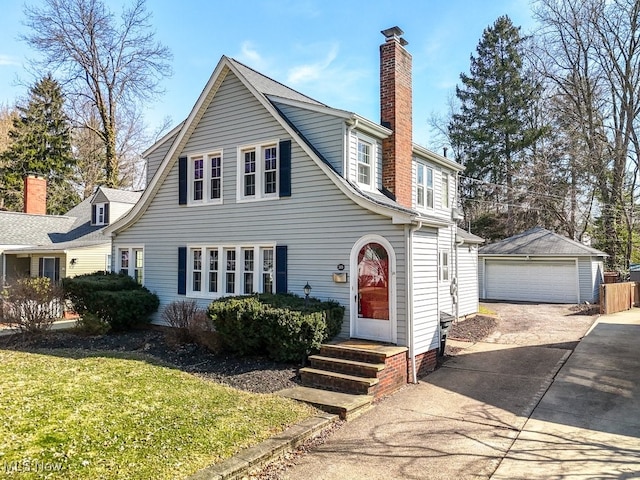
35, 195
396, 114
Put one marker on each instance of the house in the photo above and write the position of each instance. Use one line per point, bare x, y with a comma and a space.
57, 246
540, 266
263, 189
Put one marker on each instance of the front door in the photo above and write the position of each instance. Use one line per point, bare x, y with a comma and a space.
372, 281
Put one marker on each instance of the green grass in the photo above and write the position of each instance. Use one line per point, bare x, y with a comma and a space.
109, 416
484, 310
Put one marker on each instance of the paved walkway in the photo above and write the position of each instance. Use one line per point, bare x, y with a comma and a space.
495, 411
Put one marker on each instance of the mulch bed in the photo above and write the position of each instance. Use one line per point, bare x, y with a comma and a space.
253, 374
473, 329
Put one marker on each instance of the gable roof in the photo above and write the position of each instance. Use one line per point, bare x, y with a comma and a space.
540, 242
120, 196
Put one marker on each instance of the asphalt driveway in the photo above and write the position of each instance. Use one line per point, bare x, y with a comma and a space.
460, 421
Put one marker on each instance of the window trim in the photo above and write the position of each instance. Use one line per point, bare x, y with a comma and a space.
371, 165
441, 266
206, 177
131, 268
239, 270
260, 172
425, 186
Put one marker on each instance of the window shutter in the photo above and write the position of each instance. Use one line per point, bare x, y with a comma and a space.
93, 214
182, 181
285, 168
41, 267
56, 274
182, 270
281, 269
106, 214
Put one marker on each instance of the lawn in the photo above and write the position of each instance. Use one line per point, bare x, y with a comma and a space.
106, 416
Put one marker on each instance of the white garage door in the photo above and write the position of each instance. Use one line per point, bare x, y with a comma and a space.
531, 281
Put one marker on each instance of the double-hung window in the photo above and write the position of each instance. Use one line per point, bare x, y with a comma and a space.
365, 170
424, 186
443, 266
230, 270
445, 190
205, 173
258, 172
131, 262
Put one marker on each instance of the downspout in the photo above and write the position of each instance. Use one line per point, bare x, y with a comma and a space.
409, 230
4, 269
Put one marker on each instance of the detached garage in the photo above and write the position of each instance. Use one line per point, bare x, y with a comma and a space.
540, 266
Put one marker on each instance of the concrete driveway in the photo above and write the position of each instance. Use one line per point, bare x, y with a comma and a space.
461, 421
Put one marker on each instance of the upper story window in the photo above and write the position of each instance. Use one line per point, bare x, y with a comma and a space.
100, 214
445, 190
424, 186
365, 167
205, 173
258, 172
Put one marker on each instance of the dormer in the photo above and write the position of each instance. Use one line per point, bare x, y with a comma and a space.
109, 204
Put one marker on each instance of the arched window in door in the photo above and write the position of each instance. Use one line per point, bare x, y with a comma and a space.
373, 282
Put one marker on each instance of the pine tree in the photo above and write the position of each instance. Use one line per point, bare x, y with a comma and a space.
40, 144
493, 128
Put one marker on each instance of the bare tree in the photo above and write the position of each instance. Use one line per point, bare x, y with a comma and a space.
592, 56
102, 60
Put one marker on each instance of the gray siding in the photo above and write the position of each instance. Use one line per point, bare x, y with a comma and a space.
325, 132
318, 223
590, 273
425, 290
467, 280
154, 159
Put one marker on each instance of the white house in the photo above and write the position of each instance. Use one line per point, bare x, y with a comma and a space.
263, 189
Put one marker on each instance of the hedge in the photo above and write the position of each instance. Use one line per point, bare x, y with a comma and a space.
115, 298
282, 326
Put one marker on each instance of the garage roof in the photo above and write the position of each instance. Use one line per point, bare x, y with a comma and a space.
539, 241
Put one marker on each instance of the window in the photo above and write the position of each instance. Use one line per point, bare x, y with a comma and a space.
100, 214
424, 186
205, 174
131, 262
443, 267
445, 190
258, 172
49, 267
229, 270
364, 164
107, 263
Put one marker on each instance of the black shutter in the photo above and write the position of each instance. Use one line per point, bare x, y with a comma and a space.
41, 267
93, 214
182, 181
182, 270
106, 214
281, 269
285, 168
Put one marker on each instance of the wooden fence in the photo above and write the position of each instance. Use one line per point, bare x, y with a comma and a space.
618, 297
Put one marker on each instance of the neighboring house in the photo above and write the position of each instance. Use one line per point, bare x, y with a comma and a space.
540, 266
57, 246
263, 189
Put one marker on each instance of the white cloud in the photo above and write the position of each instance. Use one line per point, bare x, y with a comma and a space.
7, 60
250, 55
311, 72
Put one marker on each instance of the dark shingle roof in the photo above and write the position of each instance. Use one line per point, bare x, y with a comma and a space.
27, 229
542, 242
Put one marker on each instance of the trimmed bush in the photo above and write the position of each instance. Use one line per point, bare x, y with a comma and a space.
115, 298
283, 326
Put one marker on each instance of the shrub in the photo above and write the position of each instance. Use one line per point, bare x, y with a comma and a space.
91, 324
115, 298
32, 304
283, 326
190, 324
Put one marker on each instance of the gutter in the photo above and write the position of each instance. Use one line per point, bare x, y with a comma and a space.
409, 231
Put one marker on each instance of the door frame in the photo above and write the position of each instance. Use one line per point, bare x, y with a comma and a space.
391, 335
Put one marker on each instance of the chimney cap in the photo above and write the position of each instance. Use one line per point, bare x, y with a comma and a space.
394, 33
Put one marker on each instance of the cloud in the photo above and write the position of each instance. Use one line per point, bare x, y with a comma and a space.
311, 72
6, 60
250, 55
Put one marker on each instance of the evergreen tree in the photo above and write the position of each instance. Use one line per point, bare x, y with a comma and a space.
40, 144
494, 126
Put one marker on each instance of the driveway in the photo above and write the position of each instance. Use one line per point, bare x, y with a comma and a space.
460, 421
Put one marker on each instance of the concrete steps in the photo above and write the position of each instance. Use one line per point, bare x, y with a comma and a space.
346, 406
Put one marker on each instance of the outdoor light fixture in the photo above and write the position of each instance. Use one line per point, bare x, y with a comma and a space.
74, 261
307, 290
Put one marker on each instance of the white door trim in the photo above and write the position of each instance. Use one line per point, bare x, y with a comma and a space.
392, 334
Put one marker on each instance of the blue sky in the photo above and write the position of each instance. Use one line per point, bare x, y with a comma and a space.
327, 49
